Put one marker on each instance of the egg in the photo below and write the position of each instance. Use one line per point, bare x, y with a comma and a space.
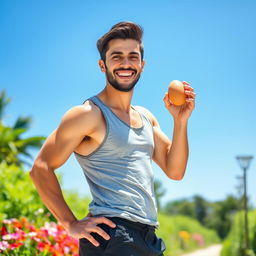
176, 93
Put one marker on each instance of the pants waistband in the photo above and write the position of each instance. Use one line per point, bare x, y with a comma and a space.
132, 224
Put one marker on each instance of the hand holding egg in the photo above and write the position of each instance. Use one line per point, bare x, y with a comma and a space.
180, 100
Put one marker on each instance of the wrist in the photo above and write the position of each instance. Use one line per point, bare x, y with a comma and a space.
180, 123
68, 223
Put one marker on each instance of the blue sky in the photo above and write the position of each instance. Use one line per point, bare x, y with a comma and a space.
48, 64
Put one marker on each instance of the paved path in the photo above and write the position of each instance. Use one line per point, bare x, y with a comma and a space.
213, 250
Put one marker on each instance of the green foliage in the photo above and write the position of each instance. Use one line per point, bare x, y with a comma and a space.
18, 196
159, 192
12, 145
213, 215
182, 233
180, 207
4, 101
234, 244
78, 205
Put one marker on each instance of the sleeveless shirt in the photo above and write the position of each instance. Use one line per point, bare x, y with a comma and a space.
119, 172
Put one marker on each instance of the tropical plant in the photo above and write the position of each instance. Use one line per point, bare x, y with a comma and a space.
13, 147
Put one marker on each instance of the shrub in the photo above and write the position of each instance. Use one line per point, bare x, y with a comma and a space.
182, 233
234, 244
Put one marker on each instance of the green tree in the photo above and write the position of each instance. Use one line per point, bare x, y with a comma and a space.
180, 207
221, 215
12, 146
159, 192
201, 207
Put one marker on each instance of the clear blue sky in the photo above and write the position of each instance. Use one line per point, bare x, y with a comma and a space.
48, 64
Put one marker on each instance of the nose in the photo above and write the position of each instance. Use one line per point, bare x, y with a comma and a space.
125, 62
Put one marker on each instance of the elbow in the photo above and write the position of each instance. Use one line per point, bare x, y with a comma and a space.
38, 170
175, 175
32, 173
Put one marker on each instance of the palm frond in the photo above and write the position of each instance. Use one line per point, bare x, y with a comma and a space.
4, 101
23, 122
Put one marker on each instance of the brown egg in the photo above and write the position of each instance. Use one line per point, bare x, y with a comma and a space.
176, 93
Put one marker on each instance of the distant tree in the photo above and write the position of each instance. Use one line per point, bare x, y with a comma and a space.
159, 192
180, 207
12, 146
214, 215
201, 207
221, 216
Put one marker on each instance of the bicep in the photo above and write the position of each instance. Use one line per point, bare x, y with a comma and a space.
58, 147
75, 125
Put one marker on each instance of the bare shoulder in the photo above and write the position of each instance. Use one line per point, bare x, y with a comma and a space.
81, 116
148, 114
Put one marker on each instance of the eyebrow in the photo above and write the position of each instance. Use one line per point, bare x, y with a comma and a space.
119, 52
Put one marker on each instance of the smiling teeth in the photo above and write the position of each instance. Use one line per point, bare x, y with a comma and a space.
124, 74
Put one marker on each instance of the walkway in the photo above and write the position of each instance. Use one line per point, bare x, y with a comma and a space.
213, 250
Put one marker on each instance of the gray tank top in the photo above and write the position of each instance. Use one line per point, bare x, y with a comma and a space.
119, 172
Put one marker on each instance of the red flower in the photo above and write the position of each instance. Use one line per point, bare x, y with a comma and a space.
13, 246
4, 230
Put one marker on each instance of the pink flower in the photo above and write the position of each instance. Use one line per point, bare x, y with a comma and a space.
3, 245
51, 238
198, 238
20, 235
7, 221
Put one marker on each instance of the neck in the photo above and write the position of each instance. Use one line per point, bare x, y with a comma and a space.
116, 99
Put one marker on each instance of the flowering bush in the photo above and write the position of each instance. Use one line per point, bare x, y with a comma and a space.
19, 237
188, 240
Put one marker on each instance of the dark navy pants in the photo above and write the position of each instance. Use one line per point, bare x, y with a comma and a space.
126, 239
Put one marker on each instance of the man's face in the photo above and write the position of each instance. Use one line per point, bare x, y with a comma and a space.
123, 64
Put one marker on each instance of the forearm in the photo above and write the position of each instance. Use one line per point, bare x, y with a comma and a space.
49, 190
177, 155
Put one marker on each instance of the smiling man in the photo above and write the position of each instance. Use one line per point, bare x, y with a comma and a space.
115, 143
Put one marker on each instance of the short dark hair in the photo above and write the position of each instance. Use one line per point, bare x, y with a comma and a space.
122, 30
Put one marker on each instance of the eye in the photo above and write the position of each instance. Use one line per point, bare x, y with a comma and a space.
116, 57
134, 57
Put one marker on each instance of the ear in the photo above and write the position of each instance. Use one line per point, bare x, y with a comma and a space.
142, 65
102, 66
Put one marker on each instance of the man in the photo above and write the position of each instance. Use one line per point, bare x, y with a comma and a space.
114, 142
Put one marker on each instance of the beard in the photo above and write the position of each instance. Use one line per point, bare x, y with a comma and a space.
119, 86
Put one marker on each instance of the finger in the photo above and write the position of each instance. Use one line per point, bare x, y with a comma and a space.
101, 232
188, 87
166, 98
106, 221
167, 101
185, 82
190, 100
190, 93
91, 239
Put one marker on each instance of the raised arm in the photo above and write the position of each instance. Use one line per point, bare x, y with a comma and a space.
172, 156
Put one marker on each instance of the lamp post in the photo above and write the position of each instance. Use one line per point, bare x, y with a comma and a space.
244, 163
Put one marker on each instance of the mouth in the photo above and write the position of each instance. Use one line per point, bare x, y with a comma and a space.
125, 74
